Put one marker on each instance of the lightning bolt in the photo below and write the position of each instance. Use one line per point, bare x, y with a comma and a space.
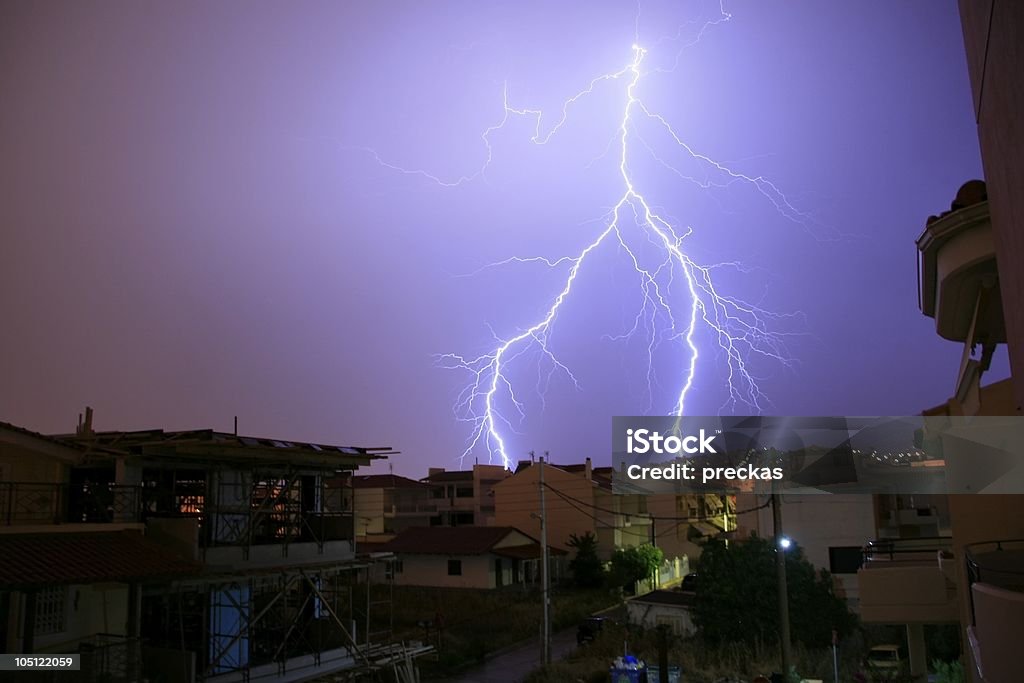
740, 330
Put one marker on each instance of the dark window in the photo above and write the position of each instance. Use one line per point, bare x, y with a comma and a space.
454, 567
844, 559
464, 492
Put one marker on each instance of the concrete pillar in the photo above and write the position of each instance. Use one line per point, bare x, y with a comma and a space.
917, 654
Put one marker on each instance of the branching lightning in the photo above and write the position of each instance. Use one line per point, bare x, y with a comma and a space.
678, 296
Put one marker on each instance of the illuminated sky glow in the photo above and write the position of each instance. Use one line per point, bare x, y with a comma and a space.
194, 228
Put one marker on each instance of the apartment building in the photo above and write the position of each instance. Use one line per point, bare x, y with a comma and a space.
993, 608
464, 497
386, 504
970, 571
579, 500
831, 530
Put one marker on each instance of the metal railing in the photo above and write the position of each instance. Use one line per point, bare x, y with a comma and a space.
108, 658
916, 550
998, 563
43, 503
414, 507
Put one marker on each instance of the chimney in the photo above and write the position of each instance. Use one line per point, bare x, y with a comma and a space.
431, 471
588, 469
84, 426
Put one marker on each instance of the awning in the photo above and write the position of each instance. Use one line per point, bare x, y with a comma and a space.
705, 528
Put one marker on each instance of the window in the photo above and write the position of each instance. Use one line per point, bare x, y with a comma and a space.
51, 604
844, 559
454, 567
464, 492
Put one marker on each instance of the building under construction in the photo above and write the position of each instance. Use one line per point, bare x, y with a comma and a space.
268, 584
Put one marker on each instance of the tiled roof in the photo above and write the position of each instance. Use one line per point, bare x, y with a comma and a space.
530, 551
449, 540
8, 430
88, 557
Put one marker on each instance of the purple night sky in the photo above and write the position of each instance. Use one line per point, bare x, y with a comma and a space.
194, 229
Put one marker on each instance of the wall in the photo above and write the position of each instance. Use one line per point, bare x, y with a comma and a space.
25, 465
517, 498
816, 523
994, 42
432, 570
648, 614
88, 610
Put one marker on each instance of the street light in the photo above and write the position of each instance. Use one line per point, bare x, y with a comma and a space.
785, 542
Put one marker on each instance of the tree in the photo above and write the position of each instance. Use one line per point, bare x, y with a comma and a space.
630, 565
587, 570
737, 600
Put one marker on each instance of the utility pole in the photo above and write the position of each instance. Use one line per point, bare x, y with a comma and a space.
656, 579
783, 591
545, 578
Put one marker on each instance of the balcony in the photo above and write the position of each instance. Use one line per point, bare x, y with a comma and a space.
957, 269
29, 503
907, 581
414, 509
995, 571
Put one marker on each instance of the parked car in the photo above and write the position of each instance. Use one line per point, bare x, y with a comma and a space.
690, 582
886, 662
589, 628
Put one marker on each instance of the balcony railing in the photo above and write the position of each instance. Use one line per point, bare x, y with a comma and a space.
407, 508
904, 551
23, 503
995, 572
997, 563
109, 658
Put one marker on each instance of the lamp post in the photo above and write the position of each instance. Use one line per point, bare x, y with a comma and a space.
781, 544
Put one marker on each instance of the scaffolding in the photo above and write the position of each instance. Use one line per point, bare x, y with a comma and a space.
283, 595
335, 618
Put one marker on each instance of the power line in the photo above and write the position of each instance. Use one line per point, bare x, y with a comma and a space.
688, 518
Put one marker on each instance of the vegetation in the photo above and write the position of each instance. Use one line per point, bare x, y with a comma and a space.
631, 565
700, 661
739, 603
948, 672
586, 567
461, 622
